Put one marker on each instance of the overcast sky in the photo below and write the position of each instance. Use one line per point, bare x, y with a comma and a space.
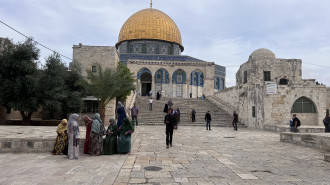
222, 31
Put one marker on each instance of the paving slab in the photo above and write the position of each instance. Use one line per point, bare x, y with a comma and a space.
220, 156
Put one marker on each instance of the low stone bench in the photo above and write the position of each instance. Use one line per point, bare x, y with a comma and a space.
286, 128
30, 144
314, 140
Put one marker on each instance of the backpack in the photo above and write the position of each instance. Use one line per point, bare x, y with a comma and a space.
325, 122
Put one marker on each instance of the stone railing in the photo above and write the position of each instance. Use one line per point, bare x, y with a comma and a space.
220, 103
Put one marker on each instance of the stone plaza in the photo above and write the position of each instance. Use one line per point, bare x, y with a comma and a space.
220, 156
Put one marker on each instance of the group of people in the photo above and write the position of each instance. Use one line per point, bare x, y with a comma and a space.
115, 139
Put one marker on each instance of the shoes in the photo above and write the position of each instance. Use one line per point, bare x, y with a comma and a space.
167, 146
170, 145
209, 129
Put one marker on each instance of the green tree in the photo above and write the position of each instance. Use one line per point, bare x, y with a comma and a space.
19, 77
58, 87
52, 87
109, 83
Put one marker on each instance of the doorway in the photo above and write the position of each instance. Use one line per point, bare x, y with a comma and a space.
146, 81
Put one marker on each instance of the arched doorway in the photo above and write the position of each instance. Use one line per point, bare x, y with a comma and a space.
145, 78
146, 82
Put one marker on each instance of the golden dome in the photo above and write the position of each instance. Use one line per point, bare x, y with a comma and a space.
152, 24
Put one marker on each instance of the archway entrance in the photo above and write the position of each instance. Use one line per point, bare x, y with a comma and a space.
146, 81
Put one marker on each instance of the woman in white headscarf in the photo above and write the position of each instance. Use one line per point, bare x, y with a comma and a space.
73, 133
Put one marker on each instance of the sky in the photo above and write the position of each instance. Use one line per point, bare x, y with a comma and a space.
225, 32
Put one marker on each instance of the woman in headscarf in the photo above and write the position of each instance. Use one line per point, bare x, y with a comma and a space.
73, 133
62, 138
88, 123
124, 139
110, 142
121, 113
96, 141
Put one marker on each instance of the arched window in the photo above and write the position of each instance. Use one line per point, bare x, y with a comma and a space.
303, 105
179, 77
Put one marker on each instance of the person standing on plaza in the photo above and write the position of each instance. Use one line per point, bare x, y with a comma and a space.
170, 103
296, 123
88, 123
193, 115
134, 114
62, 138
73, 133
235, 120
150, 103
208, 120
170, 124
96, 143
124, 139
177, 117
158, 95
327, 123
110, 142
121, 113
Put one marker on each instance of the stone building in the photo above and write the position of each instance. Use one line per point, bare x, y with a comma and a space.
150, 45
269, 90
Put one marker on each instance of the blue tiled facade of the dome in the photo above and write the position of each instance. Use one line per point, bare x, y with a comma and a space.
125, 57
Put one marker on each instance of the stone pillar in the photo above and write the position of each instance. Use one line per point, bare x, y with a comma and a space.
153, 86
171, 87
138, 87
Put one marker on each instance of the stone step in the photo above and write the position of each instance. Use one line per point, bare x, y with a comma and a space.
156, 116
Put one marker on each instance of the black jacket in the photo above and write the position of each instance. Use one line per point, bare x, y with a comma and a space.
208, 116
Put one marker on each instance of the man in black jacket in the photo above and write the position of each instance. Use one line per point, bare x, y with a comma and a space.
208, 120
235, 120
327, 123
296, 123
170, 124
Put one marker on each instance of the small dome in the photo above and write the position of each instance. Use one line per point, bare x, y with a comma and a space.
262, 54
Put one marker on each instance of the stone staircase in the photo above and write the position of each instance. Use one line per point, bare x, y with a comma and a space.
220, 118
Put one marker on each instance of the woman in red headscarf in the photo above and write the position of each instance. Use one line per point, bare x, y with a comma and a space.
88, 122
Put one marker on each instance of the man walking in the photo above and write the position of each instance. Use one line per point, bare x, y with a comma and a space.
193, 114
235, 120
208, 120
170, 124
134, 114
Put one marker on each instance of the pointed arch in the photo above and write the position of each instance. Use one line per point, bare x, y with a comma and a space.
197, 78
179, 77
142, 71
162, 76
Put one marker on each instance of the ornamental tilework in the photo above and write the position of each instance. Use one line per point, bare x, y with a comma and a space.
179, 77
142, 71
162, 76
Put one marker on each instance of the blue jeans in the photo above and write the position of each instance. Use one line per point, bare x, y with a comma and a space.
208, 124
150, 107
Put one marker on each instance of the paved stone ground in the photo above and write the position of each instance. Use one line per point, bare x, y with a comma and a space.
220, 156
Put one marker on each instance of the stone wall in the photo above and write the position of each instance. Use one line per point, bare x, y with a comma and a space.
88, 56
106, 56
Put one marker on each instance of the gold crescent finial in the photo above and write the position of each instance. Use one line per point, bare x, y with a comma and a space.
150, 3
